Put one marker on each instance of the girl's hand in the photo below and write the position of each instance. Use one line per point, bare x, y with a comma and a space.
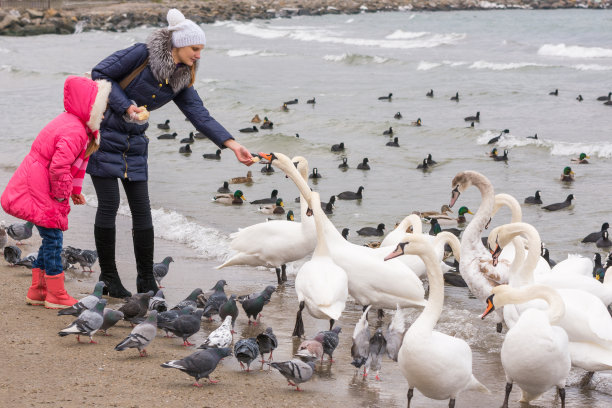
78, 199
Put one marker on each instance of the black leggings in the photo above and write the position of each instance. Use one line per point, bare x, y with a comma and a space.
137, 192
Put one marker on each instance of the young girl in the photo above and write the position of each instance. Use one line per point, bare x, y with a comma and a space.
51, 173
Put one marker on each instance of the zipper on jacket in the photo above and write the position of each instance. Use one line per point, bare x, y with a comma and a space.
124, 159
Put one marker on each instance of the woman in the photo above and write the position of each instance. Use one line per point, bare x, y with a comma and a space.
144, 76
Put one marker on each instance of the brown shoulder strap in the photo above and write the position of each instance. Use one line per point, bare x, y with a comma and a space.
128, 79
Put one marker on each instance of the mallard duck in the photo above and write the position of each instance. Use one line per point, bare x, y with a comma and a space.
247, 179
228, 198
582, 159
276, 208
398, 115
444, 210
256, 119
568, 174
284, 108
416, 122
445, 220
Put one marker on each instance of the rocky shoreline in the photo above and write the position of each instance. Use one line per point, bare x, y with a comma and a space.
71, 17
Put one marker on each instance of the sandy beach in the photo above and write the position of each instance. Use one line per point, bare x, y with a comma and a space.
43, 369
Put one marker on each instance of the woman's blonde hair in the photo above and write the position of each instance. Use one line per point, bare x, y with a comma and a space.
193, 73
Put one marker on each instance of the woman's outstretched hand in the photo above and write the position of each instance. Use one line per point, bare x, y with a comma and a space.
242, 153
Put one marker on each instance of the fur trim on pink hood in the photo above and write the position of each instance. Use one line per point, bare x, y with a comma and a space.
45, 175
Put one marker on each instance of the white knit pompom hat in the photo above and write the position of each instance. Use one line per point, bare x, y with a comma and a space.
184, 32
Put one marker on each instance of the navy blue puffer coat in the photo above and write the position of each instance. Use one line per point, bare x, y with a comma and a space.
124, 145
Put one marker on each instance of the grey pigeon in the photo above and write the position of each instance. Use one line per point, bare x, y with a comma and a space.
329, 339
253, 307
71, 254
245, 351
111, 317
295, 371
27, 261
88, 322
267, 291
158, 302
190, 300
136, 306
266, 342
221, 337
215, 300
19, 232
395, 334
165, 319
3, 237
141, 335
378, 347
229, 308
12, 254
88, 302
185, 325
360, 349
200, 364
86, 258
160, 270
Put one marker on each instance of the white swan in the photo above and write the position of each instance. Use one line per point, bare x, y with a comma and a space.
438, 365
535, 354
508, 232
414, 262
320, 284
586, 320
476, 266
274, 243
371, 281
503, 199
575, 264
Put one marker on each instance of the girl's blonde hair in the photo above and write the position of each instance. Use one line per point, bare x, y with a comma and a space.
92, 146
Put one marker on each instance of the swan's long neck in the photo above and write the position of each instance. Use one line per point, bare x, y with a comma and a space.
533, 248
449, 238
472, 233
517, 263
509, 201
414, 221
321, 249
556, 307
430, 315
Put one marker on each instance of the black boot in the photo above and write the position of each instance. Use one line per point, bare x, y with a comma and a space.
105, 245
143, 250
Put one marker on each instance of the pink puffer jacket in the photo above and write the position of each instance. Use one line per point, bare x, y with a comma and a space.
45, 173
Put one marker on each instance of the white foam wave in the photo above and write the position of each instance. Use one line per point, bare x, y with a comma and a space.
426, 66
175, 227
4, 50
574, 51
556, 148
592, 67
405, 35
504, 66
355, 59
241, 53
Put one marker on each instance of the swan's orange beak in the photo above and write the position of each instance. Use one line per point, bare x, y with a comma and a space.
266, 157
490, 307
398, 251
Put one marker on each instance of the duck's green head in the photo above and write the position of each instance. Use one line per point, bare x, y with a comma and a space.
279, 202
464, 210
290, 216
494, 151
567, 171
584, 156
238, 194
437, 228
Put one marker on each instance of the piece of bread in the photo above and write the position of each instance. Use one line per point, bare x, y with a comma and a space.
143, 114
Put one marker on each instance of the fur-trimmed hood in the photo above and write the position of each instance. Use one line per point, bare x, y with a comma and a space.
162, 64
87, 100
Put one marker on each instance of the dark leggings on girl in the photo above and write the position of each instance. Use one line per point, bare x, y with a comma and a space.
137, 192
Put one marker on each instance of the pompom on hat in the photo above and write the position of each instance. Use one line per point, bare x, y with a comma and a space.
184, 32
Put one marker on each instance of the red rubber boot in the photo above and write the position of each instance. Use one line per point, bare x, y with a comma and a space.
57, 297
38, 291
